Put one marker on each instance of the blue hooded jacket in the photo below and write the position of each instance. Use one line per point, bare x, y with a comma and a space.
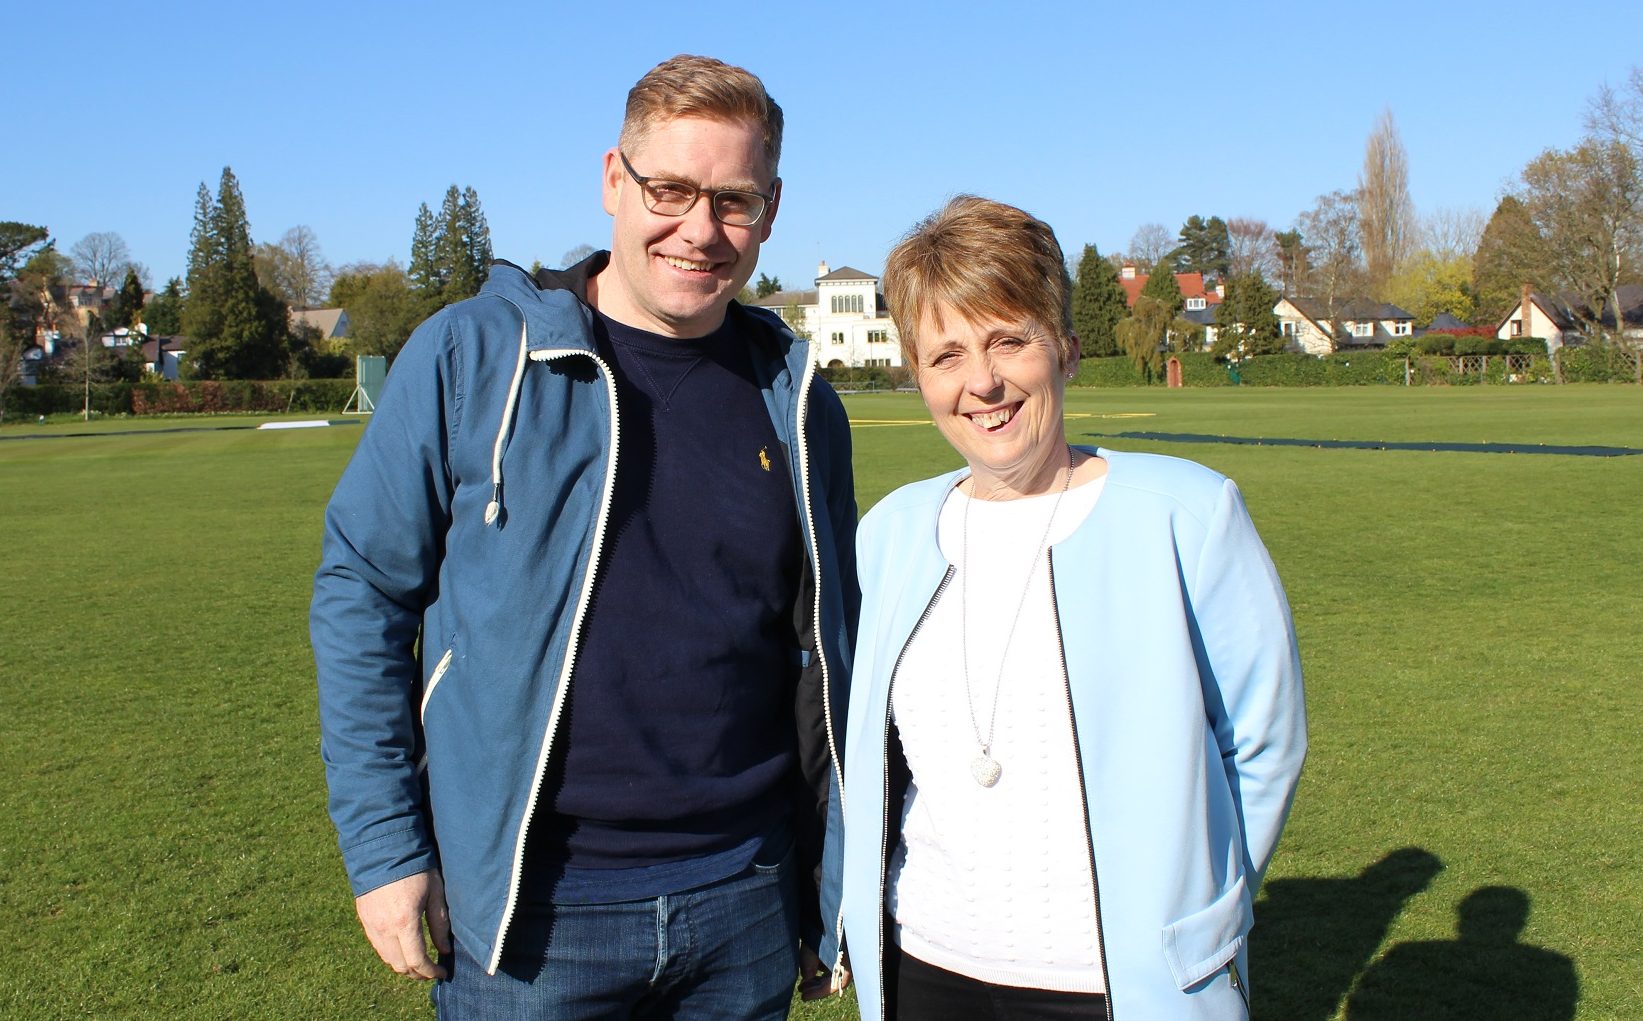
461, 547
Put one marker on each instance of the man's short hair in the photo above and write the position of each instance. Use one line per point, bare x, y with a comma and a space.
983, 260
690, 86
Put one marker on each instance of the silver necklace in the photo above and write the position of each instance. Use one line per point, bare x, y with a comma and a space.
984, 767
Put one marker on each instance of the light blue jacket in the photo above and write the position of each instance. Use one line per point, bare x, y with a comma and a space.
460, 552
1186, 705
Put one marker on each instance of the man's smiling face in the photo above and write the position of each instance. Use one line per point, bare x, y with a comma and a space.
676, 275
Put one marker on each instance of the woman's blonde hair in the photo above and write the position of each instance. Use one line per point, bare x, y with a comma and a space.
983, 260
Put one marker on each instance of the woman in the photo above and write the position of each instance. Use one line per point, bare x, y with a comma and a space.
1076, 719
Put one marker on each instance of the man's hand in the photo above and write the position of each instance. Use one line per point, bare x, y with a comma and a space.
815, 981
392, 916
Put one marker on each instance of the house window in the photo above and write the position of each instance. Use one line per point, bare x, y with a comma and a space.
845, 303
838, 338
1363, 329
1517, 327
1194, 304
1400, 329
1289, 327
877, 363
878, 337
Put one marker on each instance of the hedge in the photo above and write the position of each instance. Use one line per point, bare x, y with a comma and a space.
1598, 364
194, 397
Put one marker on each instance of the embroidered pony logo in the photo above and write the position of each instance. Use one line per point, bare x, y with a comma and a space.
764, 458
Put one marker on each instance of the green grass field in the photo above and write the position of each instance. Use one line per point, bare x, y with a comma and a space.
1471, 625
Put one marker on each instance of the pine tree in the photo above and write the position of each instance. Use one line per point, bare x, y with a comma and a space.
164, 314
476, 236
1161, 287
1098, 305
1245, 322
452, 254
237, 327
128, 303
1206, 247
423, 271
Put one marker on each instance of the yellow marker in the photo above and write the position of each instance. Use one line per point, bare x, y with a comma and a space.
764, 458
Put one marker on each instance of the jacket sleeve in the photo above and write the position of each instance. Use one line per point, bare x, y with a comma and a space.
384, 535
1252, 675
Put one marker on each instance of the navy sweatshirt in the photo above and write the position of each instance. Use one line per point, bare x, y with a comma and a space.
675, 754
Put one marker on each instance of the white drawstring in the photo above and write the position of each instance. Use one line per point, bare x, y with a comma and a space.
493, 510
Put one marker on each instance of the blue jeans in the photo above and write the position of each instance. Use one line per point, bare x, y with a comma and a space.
724, 951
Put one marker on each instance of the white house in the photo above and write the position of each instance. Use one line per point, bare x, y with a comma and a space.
1556, 321
1307, 326
844, 317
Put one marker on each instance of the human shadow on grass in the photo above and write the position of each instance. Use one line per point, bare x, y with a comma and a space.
1313, 937
1485, 974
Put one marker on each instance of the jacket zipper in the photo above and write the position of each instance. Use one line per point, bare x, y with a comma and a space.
884, 805
563, 688
802, 412
1083, 791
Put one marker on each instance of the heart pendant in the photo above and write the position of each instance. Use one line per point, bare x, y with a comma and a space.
985, 769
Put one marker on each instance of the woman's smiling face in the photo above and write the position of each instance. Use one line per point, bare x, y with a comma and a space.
995, 390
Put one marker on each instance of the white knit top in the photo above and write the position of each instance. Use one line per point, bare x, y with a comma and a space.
995, 883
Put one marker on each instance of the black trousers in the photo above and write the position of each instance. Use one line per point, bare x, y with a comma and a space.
916, 991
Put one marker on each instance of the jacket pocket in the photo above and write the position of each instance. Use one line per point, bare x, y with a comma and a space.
1202, 943
434, 678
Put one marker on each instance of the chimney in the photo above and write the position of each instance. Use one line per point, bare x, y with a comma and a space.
822, 270
1128, 272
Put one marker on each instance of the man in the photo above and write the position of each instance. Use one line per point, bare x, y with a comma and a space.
584, 616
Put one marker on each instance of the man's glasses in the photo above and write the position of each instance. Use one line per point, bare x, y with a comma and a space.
676, 198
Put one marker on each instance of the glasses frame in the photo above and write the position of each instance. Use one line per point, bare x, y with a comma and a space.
695, 194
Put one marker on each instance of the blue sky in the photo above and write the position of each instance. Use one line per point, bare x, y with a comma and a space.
1096, 117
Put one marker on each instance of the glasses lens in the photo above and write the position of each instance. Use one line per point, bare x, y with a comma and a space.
738, 208
670, 198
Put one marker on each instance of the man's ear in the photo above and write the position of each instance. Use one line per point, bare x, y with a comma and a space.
770, 211
612, 180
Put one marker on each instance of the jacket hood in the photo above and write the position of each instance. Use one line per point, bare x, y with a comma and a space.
553, 303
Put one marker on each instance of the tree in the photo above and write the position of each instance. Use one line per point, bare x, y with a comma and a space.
1587, 202
1292, 262
164, 312
1335, 270
1386, 217
308, 275
128, 303
1142, 335
423, 272
20, 304
1161, 286
1149, 244
1251, 248
383, 308
100, 258
577, 254
767, 286
451, 252
1098, 305
1205, 247
1510, 254
1245, 323
19, 241
793, 316
1617, 114
1429, 284
237, 328
1452, 233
